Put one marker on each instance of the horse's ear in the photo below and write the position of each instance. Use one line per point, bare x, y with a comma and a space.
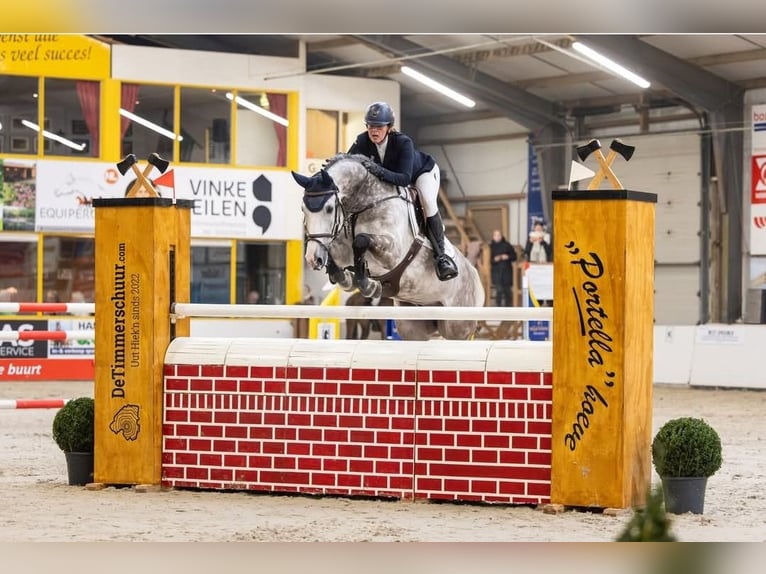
326, 179
302, 180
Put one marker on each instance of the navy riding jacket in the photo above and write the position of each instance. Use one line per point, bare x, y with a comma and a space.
402, 164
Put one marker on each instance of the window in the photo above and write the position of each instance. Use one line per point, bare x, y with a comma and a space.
72, 118
261, 129
18, 270
18, 113
210, 274
205, 122
322, 133
146, 124
261, 267
69, 269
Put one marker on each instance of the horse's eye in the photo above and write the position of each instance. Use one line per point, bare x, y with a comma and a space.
328, 208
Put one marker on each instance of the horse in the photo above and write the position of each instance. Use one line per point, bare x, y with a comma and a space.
360, 328
364, 232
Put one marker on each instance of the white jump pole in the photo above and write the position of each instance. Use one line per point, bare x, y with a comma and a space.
183, 310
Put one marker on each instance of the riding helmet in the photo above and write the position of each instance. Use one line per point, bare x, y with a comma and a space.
379, 114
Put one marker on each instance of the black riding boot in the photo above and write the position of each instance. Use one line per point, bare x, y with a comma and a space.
445, 266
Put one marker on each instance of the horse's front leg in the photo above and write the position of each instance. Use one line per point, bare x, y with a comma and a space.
339, 276
367, 286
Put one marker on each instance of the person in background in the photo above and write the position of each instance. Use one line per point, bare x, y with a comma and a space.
502, 255
538, 248
253, 297
51, 296
400, 163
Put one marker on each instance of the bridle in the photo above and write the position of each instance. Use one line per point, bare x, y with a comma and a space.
339, 218
344, 221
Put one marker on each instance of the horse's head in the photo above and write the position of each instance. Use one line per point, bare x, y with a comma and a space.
322, 215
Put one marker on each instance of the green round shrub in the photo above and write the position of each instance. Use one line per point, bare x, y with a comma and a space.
686, 447
73, 425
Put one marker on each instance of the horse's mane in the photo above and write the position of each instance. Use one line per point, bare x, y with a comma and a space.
359, 158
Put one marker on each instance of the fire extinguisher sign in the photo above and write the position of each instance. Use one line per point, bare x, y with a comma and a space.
758, 179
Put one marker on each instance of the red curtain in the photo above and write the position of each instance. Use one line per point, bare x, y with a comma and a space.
128, 103
278, 106
89, 95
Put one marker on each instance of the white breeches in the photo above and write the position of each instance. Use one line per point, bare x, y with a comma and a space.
427, 185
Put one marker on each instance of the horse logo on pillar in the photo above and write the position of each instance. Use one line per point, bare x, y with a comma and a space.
126, 421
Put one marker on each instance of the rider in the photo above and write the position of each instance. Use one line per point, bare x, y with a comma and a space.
401, 164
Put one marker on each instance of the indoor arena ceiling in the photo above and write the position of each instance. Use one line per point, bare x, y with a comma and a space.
533, 80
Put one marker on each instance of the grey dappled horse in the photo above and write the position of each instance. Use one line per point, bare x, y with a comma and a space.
363, 232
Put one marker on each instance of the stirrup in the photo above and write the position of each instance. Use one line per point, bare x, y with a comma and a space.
445, 268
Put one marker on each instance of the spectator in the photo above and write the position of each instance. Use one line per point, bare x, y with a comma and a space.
538, 248
502, 255
253, 297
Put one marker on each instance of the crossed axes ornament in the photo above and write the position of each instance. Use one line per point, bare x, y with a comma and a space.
617, 147
142, 187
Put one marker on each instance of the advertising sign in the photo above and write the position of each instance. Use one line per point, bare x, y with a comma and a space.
228, 203
758, 181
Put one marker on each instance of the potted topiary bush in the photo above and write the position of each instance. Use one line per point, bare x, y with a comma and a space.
685, 452
73, 433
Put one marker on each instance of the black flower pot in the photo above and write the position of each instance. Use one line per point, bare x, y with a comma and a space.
79, 466
684, 494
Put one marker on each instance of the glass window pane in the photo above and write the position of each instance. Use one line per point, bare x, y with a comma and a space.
18, 109
69, 269
205, 121
261, 268
210, 274
72, 118
261, 129
18, 271
147, 121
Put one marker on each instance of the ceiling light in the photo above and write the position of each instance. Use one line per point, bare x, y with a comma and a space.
258, 110
151, 125
610, 65
54, 137
441, 88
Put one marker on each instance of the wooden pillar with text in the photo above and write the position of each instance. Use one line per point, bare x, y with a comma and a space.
142, 266
602, 347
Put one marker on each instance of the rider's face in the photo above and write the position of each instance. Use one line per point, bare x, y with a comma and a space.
377, 133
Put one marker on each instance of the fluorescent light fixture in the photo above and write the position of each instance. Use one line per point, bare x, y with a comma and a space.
441, 88
257, 109
610, 65
55, 137
151, 125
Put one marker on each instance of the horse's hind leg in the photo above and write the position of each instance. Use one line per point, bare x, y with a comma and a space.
415, 330
367, 287
457, 330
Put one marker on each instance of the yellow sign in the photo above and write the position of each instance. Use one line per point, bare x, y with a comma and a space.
59, 55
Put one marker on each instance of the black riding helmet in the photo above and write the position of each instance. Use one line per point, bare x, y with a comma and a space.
379, 114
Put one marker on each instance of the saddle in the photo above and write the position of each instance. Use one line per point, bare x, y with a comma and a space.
390, 280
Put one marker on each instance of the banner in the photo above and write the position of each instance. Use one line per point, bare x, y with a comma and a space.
228, 203
57, 55
46, 360
758, 181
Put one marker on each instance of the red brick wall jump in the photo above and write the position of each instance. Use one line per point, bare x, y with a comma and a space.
425, 434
